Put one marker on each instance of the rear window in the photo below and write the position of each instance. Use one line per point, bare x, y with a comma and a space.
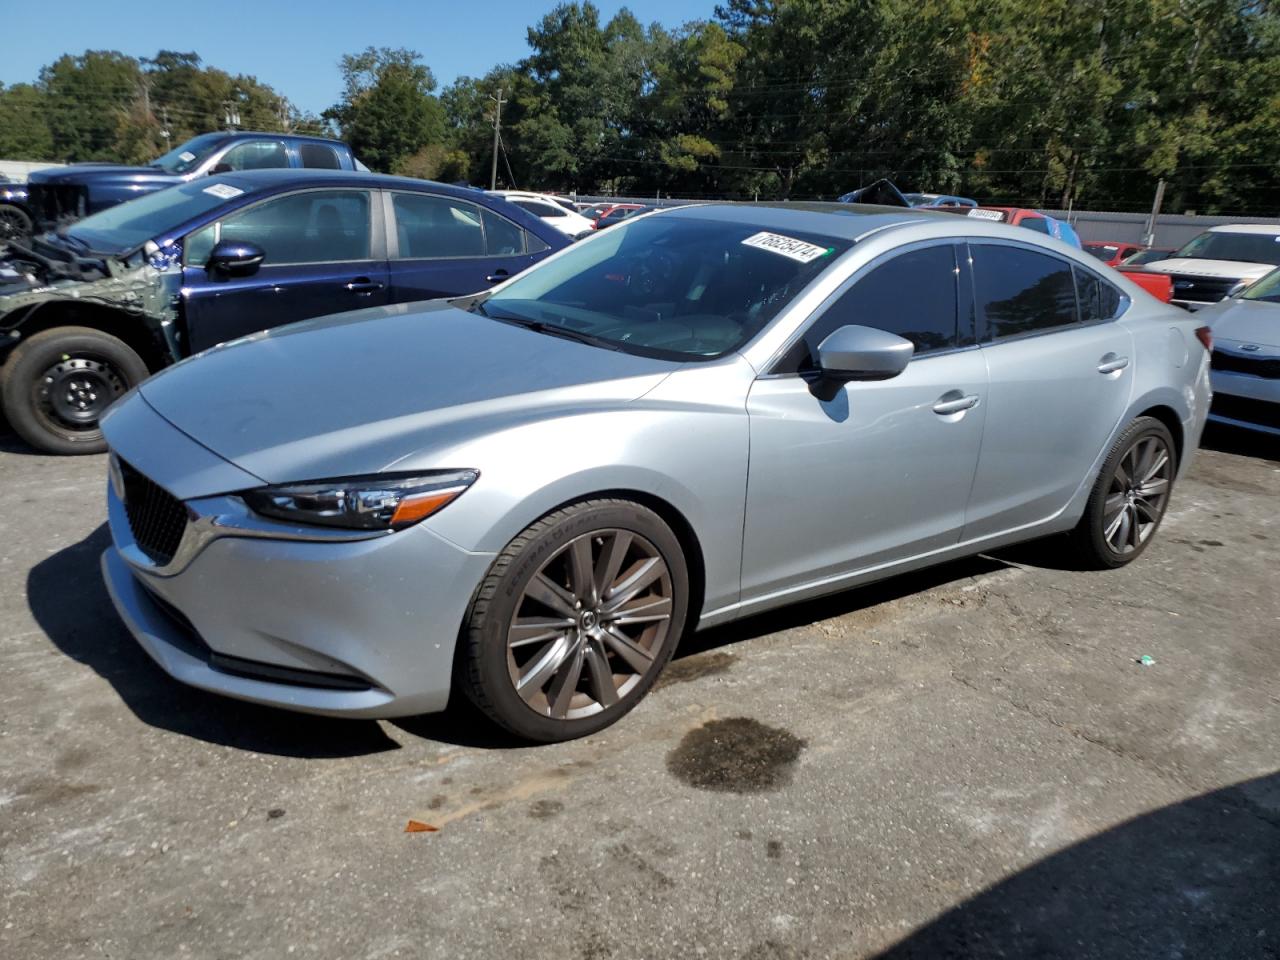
1103, 253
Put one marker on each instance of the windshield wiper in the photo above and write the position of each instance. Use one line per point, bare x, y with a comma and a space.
551, 329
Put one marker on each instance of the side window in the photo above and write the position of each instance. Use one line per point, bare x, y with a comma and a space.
255, 155
534, 244
430, 227
1038, 224
912, 295
502, 238
314, 227
318, 156
1022, 291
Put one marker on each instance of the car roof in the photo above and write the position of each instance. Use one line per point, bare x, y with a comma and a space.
1267, 229
278, 177
254, 134
847, 221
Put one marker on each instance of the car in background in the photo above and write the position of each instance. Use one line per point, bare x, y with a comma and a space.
1216, 263
62, 195
618, 212
15, 215
690, 418
1063, 231
548, 210
91, 311
1147, 255
593, 210
931, 200
1111, 252
1246, 357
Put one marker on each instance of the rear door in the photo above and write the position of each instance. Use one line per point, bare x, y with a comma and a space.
871, 472
1061, 374
323, 256
447, 247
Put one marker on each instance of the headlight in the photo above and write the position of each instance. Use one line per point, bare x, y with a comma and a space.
384, 502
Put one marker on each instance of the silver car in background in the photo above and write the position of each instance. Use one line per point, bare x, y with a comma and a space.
1246, 357
692, 417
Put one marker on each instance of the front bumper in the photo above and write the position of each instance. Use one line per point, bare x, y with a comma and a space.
1242, 400
361, 628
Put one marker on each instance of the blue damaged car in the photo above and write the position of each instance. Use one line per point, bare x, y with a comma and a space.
93, 309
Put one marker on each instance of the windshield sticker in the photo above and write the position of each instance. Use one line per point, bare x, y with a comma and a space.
986, 214
186, 156
223, 191
787, 246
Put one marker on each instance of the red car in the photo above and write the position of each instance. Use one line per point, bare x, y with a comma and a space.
1110, 252
615, 212
1159, 285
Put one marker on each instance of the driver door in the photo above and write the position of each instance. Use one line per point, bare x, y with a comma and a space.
323, 256
845, 478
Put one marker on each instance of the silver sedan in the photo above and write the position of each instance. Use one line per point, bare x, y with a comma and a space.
1246, 357
698, 415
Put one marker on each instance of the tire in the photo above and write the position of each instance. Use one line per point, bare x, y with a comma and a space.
14, 223
578, 648
1119, 521
58, 383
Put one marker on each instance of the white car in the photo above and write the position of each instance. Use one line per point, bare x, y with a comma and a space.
1212, 265
548, 210
1246, 357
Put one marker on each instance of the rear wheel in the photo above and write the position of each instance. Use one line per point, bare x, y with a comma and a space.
59, 382
575, 620
1129, 497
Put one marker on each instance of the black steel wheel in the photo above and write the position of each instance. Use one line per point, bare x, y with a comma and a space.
58, 383
14, 223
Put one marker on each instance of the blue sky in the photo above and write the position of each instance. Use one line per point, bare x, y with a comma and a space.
294, 46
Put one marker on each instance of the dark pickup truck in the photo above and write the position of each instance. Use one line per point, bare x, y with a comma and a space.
61, 195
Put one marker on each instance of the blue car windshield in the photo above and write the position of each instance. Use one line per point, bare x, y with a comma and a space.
189, 155
666, 286
126, 227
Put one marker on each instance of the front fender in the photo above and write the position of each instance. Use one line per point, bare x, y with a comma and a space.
693, 460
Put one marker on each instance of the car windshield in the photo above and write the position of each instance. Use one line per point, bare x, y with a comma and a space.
1267, 289
1101, 252
189, 155
673, 287
128, 226
1146, 256
1245, 247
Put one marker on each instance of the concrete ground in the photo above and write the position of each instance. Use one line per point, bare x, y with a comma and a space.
966, 763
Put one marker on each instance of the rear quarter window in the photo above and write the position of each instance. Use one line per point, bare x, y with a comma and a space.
319, 156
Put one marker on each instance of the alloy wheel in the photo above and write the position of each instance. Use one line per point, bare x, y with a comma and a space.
1138, 494
13, 224
590, 624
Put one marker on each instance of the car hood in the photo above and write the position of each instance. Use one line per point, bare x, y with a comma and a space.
102, 173
356, 392
1238, 322
1220, 269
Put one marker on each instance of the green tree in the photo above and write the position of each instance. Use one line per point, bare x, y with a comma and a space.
388, 111
24, 124
85, 99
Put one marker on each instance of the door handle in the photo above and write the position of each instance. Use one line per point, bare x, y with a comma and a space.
497, 276
363, 285
1110, 363
954, 402
274, 288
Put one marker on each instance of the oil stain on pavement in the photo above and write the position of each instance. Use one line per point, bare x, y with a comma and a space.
735, 755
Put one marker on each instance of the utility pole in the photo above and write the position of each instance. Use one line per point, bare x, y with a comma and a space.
497, 125
1150, 238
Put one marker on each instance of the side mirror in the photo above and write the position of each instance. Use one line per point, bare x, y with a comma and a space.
855, 352
235, 258
218, 168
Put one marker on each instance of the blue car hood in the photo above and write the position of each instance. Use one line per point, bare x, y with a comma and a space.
355, 392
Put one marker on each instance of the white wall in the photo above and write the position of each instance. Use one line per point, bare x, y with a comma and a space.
18, 169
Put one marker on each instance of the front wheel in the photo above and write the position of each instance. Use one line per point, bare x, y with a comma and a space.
14, 224
59, 382
575, 620
1129, 497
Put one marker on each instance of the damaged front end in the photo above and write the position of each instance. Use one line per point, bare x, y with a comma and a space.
135, 296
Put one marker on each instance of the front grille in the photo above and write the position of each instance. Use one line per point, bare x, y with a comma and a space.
1246, 409
1200, 289
1268, 367
157, 518
55, 203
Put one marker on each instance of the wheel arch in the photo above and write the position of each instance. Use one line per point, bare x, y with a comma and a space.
140, 333
1169, 417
